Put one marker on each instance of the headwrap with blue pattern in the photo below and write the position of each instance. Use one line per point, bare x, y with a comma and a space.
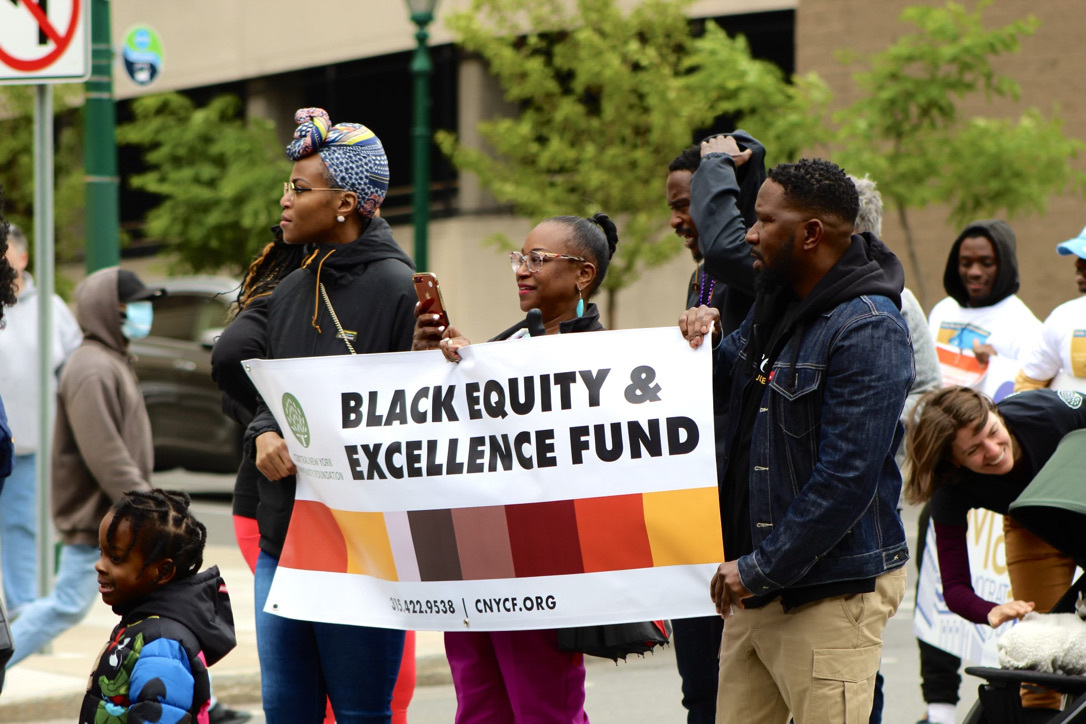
351, 152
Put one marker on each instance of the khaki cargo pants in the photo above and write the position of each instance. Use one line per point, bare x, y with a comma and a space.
816, 664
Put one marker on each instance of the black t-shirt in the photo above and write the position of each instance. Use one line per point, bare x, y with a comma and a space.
735, 485
1038, 420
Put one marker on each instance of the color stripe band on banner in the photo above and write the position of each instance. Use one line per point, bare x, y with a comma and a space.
621, 532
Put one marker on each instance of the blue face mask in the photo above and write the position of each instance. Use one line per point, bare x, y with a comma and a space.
137, 320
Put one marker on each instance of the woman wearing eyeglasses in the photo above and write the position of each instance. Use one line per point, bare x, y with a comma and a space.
352, 295
522, 676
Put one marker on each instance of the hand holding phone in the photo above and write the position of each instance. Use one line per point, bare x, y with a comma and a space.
429, 294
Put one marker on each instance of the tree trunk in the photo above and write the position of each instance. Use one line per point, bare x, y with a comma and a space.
910, 245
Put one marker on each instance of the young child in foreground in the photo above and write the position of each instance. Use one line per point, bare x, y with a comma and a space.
175, 621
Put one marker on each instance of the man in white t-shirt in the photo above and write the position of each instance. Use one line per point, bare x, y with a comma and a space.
1061, 346
19, 388
983, 315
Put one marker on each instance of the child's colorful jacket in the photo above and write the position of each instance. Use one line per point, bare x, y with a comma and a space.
154, 668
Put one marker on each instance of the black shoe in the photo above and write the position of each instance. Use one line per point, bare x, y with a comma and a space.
220, 714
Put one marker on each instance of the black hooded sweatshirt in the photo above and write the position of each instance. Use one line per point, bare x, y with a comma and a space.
868, 268
722, 201
368, 282
1006, 282
193, 614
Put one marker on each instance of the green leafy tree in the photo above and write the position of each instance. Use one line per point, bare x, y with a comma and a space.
606, 99
17, 160
219, 177
908, 131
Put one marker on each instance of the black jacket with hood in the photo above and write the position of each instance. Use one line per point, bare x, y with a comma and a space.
722, 206
152, 669
1006, 282
867, 268
533, 322
243, 339
369, 284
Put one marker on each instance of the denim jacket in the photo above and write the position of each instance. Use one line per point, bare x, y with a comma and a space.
824, 487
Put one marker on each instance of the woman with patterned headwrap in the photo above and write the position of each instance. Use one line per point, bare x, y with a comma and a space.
352, 295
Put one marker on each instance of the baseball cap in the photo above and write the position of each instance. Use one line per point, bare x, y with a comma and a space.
1076, 246
131, 289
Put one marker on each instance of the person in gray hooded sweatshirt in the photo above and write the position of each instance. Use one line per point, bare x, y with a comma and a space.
102, 446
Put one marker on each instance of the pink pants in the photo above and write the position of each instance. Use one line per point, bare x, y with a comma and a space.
507, 677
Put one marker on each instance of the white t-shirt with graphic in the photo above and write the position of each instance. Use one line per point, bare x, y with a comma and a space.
1008, 326
1061, 344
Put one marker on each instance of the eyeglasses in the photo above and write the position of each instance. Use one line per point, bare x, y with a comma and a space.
535, 259
289, 189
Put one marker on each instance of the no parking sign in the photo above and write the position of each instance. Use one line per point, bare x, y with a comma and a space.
43, 41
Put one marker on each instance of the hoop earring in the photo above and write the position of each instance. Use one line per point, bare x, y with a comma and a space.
340, 219
580, 303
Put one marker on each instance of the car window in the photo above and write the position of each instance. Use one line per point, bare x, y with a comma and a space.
213, 315
175, 316
185, 316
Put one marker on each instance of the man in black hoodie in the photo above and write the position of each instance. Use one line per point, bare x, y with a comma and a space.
734, 172
813, 383
982, 312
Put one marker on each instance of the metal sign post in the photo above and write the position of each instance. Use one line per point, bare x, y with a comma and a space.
42, 42
43, 268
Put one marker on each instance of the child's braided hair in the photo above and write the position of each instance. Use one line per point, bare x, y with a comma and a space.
162, 527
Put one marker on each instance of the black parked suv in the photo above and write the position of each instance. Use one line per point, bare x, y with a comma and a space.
173, 364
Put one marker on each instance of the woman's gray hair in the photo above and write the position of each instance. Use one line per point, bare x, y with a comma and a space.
869, 217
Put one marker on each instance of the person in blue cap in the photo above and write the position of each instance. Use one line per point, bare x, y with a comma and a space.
1061, 345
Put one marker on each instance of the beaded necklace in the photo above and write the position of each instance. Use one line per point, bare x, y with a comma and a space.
703, 298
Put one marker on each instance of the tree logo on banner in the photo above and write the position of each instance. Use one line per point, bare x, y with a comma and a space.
292, 410
48, 34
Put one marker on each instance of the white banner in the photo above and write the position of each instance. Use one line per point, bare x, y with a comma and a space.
539, 483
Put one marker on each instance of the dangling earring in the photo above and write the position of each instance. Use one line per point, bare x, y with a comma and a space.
580, 303
340, 219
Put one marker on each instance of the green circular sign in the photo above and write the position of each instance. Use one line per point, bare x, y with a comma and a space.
292, 410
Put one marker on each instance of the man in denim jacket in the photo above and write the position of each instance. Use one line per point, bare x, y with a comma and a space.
812, 384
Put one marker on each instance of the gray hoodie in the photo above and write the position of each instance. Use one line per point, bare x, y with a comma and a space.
102, 436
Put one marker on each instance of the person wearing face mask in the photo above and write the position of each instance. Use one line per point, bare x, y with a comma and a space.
102, 446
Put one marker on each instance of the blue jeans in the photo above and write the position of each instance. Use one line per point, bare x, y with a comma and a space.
302, 662
76, 588
18, 532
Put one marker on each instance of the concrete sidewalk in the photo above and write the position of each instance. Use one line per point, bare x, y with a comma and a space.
51, 686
